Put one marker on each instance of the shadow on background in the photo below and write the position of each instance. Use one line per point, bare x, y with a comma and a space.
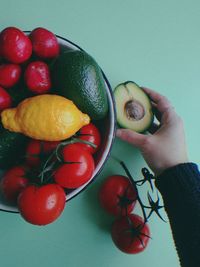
93, 210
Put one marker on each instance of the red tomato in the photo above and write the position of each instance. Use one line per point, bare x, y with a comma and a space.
49, 146
41, 205
13, 182
5, 99
33, 151
37, 77
45, 43
37, 149
91, 134
130, 234
9, 75
79, 168
15, 46
117, 196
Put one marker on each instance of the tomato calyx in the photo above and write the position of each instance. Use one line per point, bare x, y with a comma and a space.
148, 177
90, 133
154, 207
30, 174
130, 233
134, 184
76, 139
40, 156
36, 153
125, 201
50, 165
73, 140
135, 231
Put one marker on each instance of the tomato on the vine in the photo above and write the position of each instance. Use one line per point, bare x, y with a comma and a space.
130, 234
77, 168
33, 151
13, 182
49, 146
91, 134
37, 149
117, 195
41, 205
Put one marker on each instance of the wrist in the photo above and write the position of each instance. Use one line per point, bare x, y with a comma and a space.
168, 166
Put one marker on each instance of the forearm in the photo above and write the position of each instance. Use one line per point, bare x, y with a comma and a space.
180, 189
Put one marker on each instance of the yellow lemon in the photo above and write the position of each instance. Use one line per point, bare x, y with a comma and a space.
45, 117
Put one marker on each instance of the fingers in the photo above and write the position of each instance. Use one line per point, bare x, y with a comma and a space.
157, 113
162, 103
165, 111
131, 137
156, 97
154, 127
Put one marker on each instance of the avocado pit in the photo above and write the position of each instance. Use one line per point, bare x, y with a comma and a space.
134, 110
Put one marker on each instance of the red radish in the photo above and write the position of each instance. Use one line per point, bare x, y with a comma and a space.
9, 75
45, 44
37, 77
15, 46
5, 99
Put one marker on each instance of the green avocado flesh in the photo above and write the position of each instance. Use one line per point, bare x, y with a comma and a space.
133, 107
77, 76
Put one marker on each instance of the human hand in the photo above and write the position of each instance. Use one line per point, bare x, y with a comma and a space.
166, 147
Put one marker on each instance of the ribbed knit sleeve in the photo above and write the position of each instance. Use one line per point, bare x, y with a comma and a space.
180, 189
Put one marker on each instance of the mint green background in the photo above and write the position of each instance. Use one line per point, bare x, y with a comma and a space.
156, 43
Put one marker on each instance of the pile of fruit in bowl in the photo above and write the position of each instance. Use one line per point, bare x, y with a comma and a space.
57, 122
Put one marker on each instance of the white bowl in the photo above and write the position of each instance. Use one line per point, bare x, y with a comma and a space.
107, 127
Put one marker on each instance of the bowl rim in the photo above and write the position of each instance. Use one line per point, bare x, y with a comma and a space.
15, 210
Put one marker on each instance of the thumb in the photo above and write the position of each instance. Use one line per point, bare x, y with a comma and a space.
131, 137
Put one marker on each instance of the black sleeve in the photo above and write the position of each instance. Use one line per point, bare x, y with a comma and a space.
180, 189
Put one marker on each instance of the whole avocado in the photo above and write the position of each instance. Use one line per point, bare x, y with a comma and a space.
12, 147
77, 76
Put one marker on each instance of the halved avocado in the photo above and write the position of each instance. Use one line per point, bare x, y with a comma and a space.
133, 107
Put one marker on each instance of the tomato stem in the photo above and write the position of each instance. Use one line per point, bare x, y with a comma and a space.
45, 169
56, 153
134, 184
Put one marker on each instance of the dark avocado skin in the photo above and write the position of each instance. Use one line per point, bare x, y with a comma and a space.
18, 93
77, 76
12, 147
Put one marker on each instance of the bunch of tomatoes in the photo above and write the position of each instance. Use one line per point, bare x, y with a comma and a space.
118, 196
38, 186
